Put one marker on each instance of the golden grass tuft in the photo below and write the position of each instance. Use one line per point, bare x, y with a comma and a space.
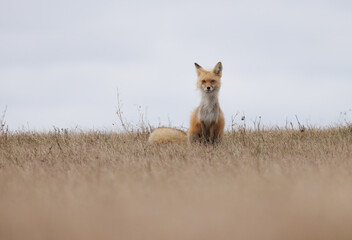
256, 184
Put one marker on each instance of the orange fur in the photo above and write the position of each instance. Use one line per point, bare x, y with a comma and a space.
167, 135
207, 120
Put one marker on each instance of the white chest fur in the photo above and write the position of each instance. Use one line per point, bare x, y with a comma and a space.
209, 109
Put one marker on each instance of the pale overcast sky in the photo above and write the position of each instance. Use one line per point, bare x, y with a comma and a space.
61, 62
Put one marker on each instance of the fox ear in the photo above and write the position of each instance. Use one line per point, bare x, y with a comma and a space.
198, 68
218, 68
197, 65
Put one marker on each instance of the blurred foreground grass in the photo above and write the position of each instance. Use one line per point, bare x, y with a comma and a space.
257, 184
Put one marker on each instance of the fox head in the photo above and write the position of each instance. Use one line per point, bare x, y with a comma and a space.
209, 81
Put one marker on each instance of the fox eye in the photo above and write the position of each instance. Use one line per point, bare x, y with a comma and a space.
203, 81
212, 81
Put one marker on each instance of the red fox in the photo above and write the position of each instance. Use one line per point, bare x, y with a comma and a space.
207, 120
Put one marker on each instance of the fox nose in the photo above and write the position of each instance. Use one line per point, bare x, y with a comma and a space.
208, 88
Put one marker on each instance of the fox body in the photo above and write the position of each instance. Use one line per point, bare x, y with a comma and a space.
207, 120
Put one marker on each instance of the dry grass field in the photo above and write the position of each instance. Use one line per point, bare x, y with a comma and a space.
257, 184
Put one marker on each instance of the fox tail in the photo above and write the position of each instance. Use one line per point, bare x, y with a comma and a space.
166, 135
